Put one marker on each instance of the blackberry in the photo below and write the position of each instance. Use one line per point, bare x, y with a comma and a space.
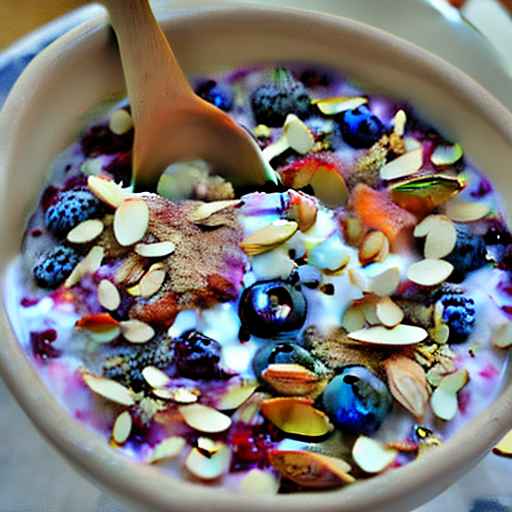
125, 365
55, 266
217, 94
197, 356
470, 253
360, 128
283, 95
71, 208
459, 314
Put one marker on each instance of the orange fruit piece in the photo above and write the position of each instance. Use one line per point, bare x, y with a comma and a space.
377, 211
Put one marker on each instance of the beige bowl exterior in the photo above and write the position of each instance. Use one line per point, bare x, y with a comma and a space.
44, 113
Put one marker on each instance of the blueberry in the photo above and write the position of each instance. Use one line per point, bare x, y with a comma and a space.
272, 309
283, 353
470, 253
217, 94
360, 128
459, 314
197, 356
71, 208
357, 401
55, 266
283, 95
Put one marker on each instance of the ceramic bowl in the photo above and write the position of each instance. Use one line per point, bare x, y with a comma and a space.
44, 113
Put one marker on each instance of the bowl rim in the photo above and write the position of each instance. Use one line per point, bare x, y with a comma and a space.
88, 451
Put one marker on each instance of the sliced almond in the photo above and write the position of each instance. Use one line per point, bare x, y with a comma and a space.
429, 272
385, 283
446, 154
400, 335
440, 334
204, 419
353, 231
444, 404
408, 384
299, 136
167, 449
399, 121
466, 211
423, 228
120, 122
155, 250
207, 445
372, 456
106, 190
337, 104
236, 395
303, 209
504, 447
122, 428
357, 279
441, 239
276, 148
109, 389
185, 395
105, 336
389, 313
90, 264
329, 187
405, 165
136, 331
371, 246
150, 283
206, 210
258, 482
155, 377
131, 221
502, 337
411, 143
85, 232
209, 468
454, 382
108, 295
369, 307
353, 319
269, 237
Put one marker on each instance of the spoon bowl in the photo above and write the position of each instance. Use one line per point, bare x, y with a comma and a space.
171, 122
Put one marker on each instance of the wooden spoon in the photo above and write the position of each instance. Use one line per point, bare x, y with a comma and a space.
171, 122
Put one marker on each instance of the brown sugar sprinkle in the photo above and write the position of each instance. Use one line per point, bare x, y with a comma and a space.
336, 350
366, 169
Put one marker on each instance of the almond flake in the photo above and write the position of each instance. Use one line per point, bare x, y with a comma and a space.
369, 307
424, 227
136, 331
276, 148
357, 279
353, 319
131, 221
405, 165
454, 382
466, 211
236, 395
167, 449
105, 336
206, 210
385, 283
108, 295
411, 144
408, 384
120, 122
155, 250
90, 264
204, 419
109, 389
371, 246
106, 190
389, 313
444, 404
399, 122
155, 377
209, 468
400, 335
150, 283
122, 428
504, 447
185, 396
299, 136
429, 272
446, 154
502, 337
441, 239
372, 456
440, 334
85, 232
269, 237
335, 105
258, 482
329, 187
207, 445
